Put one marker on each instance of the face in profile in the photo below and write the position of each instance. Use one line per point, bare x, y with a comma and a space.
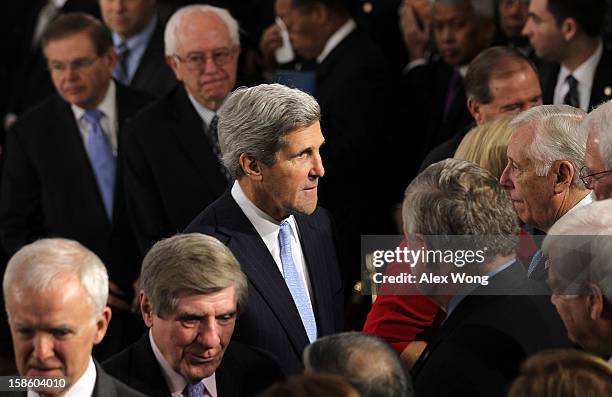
80, 75
54, 330
302, 25
601, 183
193, 338
206, 60
289, 186
545, 36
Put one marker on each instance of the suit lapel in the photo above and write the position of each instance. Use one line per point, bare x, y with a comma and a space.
145, 372
601, 90
261, 269
145, 72
189, 130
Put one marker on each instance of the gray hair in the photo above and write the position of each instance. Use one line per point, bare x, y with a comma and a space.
458, 198
254, 120
45, 264
557, 137
176, 21
194, 262
483, 9
598, 124
365, 361
579, 247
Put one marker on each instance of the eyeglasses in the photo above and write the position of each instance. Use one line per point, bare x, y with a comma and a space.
588, 179
78, 65
197, 60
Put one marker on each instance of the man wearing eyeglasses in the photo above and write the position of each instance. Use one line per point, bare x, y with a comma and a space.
173, 166
597, 172
545, 154
61, 176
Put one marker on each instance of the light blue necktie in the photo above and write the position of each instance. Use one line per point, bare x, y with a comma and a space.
196, 390
102, 159
294, 282
535, 260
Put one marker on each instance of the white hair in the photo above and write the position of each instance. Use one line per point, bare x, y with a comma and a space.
557, 137
177, 18
44, 264
598, 124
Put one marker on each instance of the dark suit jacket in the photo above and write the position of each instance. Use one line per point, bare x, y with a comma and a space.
244, 370
49, 189
106, 386
171, 172
479, 348
271, 320
602, 81
153, 74
446, 149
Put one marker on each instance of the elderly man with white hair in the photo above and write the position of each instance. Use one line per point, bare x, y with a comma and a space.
545, 154
597, 171
55, 292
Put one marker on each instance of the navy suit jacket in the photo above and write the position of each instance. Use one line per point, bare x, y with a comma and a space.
244, 370
271, 320
601, 90
481, 344
49, 188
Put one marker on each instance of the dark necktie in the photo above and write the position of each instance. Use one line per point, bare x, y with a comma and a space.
453, 89
102, 159
213, 134
572, 97
121, 70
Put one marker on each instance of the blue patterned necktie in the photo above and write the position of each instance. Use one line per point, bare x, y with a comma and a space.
294, 282
102, 159
121, 72
196, 390
535, 260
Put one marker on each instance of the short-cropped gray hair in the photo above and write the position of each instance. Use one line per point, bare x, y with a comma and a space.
458, 198
47, 263
177, 18
254, 120
194, 262
558, 136
598, 124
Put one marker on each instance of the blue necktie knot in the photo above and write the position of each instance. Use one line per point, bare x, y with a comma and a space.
196, 390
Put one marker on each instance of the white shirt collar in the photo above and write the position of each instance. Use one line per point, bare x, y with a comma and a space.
584, 74
588, 199
205, 113
107, 106
336, 38
175, 381
83, 387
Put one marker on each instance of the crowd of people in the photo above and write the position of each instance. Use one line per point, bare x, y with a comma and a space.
182, 204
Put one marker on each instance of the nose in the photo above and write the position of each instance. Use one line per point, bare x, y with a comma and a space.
527, 28
117, 5
208, 334
504, 178
43, 347
210, 66
317, 168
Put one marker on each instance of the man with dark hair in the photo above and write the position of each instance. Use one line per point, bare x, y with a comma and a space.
500, 81
61, 174
138, 37
351, 354
493, 324
270, 138
192, 291
567, 33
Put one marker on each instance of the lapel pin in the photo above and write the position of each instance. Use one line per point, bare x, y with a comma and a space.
607, 91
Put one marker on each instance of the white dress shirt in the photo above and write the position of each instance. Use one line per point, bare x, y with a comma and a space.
175, 381
83, 387
584, 74
109, 121
268, 229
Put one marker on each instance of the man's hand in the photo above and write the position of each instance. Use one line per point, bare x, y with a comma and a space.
270, 41
414, 21
116, 298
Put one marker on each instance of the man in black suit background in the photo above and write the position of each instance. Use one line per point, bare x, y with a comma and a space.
567, 33
192, 292
270, 137
138, 37
494, 321
55, 292
61, 175
173, 168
